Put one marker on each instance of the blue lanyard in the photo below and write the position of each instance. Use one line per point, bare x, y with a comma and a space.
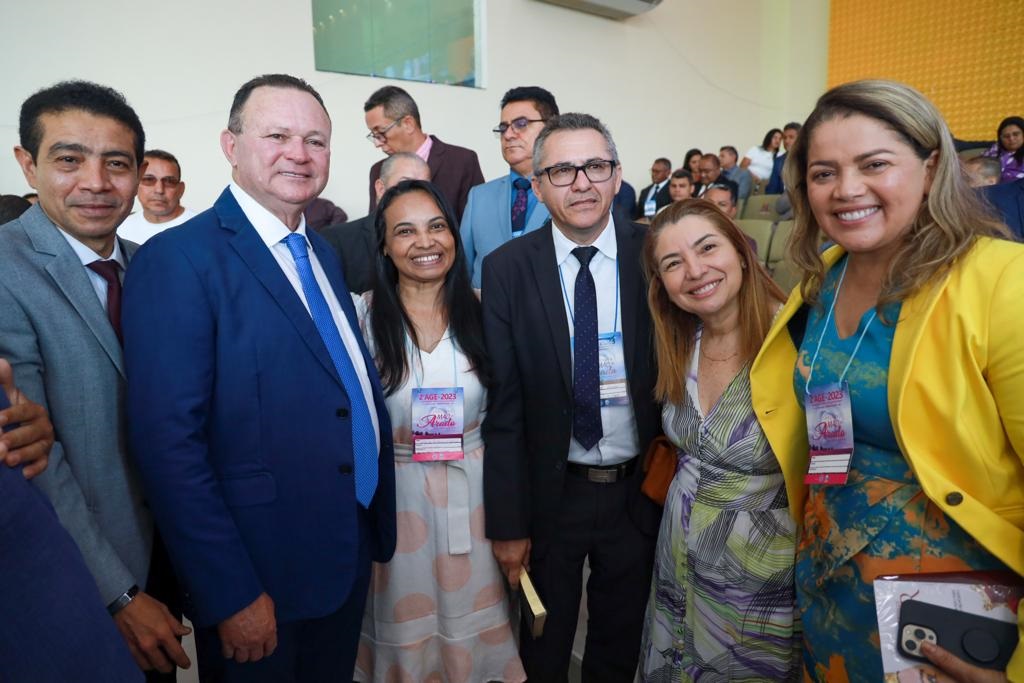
824, 331
568, 304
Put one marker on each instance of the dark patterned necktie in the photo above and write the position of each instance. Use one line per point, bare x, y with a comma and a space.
519, 205
586, 390
110, 271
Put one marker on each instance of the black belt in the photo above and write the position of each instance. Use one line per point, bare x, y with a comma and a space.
602, 474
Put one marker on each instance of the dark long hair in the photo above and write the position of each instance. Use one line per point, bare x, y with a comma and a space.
389, 320
1010, 121
768, 140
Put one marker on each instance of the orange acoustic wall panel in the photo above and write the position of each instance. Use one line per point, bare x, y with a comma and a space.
964, 55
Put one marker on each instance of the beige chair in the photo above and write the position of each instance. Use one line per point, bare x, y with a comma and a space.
777, 247
786, 275
966, 154
761, 207
761, 231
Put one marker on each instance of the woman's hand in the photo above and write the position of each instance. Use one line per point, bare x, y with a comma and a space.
952, 669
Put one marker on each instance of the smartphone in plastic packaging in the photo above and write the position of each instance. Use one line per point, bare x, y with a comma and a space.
981, 641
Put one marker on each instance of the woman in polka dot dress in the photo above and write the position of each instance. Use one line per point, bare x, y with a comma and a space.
438, 610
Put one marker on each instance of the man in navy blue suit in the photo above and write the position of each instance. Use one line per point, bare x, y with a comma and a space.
1008, 199
256, 414
56, 627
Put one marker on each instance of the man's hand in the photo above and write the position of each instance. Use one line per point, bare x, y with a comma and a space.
152, 634
29, 443
513, 556
952, 669
250, 635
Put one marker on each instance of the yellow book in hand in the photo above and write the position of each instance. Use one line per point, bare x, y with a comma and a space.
532, 606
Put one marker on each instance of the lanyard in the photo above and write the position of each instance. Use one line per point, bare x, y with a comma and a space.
824, 331
568, 304
418, 378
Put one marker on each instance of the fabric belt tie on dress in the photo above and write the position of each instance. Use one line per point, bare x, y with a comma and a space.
602, 474
459, 536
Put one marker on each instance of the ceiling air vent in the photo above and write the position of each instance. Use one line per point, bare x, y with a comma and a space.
613, 9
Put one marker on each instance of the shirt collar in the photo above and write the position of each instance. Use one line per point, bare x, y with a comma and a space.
269, 227
605, 242
424, 151
87, 255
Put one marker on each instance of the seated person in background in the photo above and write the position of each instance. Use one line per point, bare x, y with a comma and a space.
759, 158
729, 157
721, 602
323, 212
910, 321
655, 195
691, 162
790, 132
356, 241
680, 185
160, 191
1009, 148
12, 206
625, 200
1008, 200
722, 195
423, 327
982, 171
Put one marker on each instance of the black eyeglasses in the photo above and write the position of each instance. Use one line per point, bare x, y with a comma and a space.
516, 124
562, 175
381, 135
152, 180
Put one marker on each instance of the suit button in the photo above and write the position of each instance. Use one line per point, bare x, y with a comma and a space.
341, 412
559, 466
954, 498
345, 469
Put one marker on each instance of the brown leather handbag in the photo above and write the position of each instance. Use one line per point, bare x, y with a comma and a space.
660, 467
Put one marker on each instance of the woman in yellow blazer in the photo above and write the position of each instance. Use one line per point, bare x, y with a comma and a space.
914, 318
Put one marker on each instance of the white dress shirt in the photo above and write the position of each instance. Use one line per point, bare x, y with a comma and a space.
620, 441
87, 256
272, 231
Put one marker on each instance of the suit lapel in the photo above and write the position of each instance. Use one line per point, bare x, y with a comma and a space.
69, 275
436, 157
504, 205
545, 271
632, 292
264, 267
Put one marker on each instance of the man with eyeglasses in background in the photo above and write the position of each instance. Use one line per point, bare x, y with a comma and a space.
394, 122
160, 191
506, 207
570, 408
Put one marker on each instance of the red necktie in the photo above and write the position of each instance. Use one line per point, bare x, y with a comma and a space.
110, 271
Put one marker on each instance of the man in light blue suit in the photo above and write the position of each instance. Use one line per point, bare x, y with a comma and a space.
506, 207
256, 413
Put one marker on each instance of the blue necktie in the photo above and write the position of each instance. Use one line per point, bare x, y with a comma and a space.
519, 205
586, 390
364, 443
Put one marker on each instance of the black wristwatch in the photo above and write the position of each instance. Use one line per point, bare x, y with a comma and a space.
122, 600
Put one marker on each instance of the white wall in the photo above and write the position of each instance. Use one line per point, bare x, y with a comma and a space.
686, 74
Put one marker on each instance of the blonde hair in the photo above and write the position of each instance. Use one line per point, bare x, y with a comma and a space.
949, 220
675, 330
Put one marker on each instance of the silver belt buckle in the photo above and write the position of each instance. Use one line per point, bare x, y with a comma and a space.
608, 476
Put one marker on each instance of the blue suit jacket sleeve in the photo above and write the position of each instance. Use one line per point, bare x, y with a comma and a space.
170, 354
775, 185
466, 232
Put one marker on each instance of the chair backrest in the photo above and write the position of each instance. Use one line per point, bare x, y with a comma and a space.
786, 275
966, 154
761, 232
777, 247
761, 206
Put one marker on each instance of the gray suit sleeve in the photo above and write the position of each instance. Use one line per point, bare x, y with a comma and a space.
19, 346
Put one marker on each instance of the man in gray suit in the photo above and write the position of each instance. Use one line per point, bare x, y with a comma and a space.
507, 207
81, 146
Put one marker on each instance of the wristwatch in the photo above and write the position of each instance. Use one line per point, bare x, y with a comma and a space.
122, 600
